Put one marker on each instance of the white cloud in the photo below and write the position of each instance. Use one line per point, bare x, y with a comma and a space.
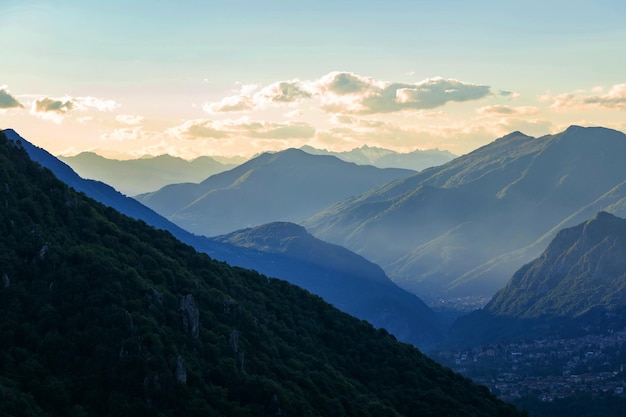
442, 132
347, 92
294, 114
242, 128
7, 100
230, 104
134, 133
129, 119
614, 98
56, 109
253, 96
508, 111
282, 92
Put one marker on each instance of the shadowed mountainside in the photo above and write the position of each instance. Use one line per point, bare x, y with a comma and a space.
102, 315
403, 313
341, 277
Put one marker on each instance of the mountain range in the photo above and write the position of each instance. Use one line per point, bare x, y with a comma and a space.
577, 284
102, 315
463, 228
290, 185
136, 176
385, 158
403, 314
339, 276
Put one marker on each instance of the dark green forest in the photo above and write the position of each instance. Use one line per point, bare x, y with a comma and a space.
102, 315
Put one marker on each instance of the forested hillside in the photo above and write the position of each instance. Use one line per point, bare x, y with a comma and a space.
102, 315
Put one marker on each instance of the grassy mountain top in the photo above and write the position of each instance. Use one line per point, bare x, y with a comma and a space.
101, 315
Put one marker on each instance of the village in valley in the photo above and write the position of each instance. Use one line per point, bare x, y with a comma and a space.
547, 369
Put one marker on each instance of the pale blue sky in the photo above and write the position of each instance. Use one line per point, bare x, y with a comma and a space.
168, 64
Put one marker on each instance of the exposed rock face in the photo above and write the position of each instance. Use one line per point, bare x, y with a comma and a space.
191, 315
42, 252
154, 297
234, 340
181, 371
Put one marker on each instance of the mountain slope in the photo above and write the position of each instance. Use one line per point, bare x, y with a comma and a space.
399, 316
462, 228
102, 315
137, 176
385, 158
285, 186
346, 280
578, 282
582, 268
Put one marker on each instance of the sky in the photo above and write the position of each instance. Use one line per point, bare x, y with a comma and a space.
201, 77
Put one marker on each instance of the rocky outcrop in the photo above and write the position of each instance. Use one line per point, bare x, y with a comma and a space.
181, 371
190, 315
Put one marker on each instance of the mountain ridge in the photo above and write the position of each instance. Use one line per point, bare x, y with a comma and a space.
284, 186
578, 284
417, 160
490, 212
136, 176
341, 277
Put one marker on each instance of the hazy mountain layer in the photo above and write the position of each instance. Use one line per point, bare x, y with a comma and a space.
385, 158
463, 228
285, 186
578, 282
102, 315
136, 176
341, 277
310, 263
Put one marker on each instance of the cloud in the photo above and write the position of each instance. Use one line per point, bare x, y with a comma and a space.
508, 111
129, 119
513, 95
253, 96
242, 128
350, 93
230, 104
7, 100
56, 109
344, 92
293, 114
51, 105
134, 133
614, 98
443, 131
282, 92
